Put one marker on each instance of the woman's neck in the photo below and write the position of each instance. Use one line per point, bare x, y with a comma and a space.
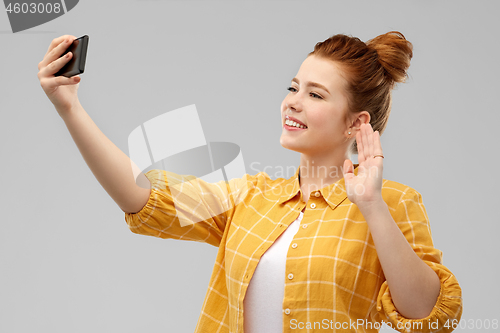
318, 172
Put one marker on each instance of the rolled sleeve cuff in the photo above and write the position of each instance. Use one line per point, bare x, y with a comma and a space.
444, 316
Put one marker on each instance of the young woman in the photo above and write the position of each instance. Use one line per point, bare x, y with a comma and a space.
335, 247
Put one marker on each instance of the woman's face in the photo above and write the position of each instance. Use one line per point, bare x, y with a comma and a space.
318, 99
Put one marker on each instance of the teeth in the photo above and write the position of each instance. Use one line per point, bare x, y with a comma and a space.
293, 123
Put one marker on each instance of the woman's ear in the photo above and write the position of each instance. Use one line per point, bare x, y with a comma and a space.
362, 117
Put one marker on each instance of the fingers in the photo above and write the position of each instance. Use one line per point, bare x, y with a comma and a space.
359, 142
367, 132
363, 141
46, 74
53, 62
50, 69
370, 139
348, 167
63, 98
53, 82
57, 41
368, 143
56, 49
377, 146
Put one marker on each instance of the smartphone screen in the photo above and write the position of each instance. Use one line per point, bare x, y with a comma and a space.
77, 63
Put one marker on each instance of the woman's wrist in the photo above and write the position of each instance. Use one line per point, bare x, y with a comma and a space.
369, 208
67, 112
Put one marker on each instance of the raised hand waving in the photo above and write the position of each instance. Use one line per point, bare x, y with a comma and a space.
365, 188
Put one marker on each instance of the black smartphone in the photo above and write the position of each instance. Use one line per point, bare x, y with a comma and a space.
77, 64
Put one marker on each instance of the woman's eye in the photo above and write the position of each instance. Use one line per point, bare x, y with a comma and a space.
294, 90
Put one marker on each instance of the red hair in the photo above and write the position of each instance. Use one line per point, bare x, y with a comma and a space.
370, 69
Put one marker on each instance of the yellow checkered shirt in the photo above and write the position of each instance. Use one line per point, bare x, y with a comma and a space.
338, 284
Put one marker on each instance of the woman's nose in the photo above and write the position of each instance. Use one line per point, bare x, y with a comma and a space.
294, 104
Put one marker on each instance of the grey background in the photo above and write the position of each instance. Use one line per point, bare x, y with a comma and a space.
68, 260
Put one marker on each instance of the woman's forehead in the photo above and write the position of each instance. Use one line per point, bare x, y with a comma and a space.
321, 71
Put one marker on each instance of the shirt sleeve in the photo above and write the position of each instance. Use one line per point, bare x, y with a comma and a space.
185, 207
411, 217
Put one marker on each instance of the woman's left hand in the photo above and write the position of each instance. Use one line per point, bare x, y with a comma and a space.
365, 188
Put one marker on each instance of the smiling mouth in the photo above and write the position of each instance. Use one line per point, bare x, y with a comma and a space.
292, 123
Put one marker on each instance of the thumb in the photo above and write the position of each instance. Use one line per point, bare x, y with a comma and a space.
348, 169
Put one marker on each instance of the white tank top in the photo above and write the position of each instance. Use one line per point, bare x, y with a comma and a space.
263, 303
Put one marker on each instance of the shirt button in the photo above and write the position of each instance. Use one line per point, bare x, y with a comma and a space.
290, 276
304, 226
287, 311
313, 205
294, 245
317, 194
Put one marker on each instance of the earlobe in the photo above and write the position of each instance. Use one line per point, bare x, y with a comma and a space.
349, 132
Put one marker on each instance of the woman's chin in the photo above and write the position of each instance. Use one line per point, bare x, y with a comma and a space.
290, 145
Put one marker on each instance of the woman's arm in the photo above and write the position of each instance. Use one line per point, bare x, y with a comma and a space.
413, 284
113, 169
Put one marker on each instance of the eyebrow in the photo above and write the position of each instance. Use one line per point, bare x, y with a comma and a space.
312, 84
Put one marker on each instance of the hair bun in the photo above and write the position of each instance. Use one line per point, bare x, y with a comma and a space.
394, 53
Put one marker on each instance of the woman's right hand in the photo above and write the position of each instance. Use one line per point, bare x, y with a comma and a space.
61, 90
